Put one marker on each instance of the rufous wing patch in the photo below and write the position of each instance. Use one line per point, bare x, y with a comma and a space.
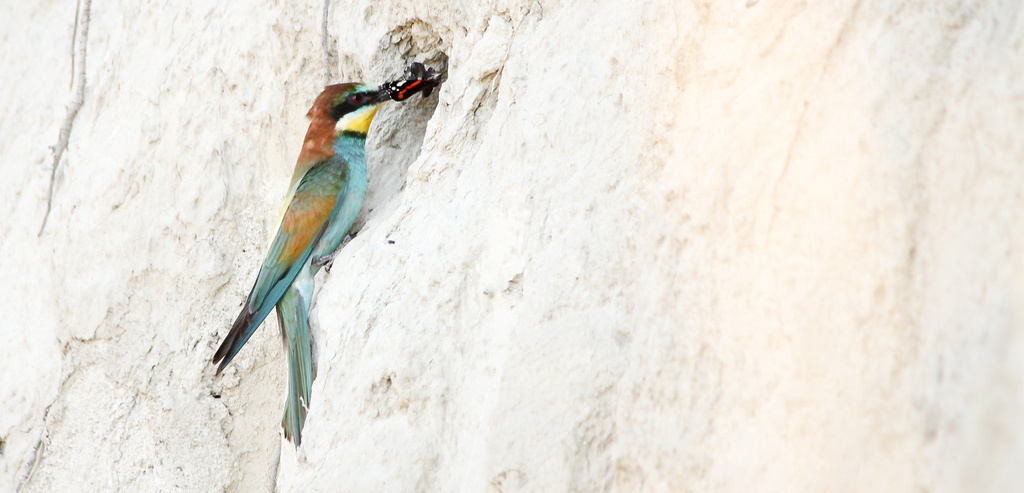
302, 222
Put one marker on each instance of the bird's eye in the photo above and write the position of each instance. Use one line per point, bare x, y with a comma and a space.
356, 98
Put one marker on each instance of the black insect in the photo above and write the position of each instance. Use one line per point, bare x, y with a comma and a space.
418, 78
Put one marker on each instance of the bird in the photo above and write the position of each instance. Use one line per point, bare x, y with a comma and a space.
327, 190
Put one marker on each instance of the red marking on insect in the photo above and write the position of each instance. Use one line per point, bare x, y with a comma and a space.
412, 84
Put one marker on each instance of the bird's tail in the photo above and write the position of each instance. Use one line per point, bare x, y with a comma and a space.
293, 315
243, 328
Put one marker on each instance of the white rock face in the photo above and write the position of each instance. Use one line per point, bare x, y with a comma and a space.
628, 246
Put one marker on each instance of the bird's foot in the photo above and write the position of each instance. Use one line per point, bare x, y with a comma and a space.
328, 260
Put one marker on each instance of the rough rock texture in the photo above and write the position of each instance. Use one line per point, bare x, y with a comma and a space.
637, 246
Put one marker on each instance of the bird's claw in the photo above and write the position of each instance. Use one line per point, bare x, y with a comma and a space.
326, 259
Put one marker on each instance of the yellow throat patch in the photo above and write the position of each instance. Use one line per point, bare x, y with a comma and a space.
357, 121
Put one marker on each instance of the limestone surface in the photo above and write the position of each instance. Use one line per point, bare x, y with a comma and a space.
653, 246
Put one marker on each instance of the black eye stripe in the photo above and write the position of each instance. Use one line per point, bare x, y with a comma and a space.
348, 104
341, 109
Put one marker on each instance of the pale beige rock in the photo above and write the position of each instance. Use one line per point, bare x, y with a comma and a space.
637, 246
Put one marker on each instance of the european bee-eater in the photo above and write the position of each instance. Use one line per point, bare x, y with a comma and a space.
326, 193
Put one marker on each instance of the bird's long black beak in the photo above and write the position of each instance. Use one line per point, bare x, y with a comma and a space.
381, 95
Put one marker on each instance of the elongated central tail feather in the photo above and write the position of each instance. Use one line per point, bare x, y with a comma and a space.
293, 315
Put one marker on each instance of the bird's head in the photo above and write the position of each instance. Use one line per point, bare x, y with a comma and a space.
351, 107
